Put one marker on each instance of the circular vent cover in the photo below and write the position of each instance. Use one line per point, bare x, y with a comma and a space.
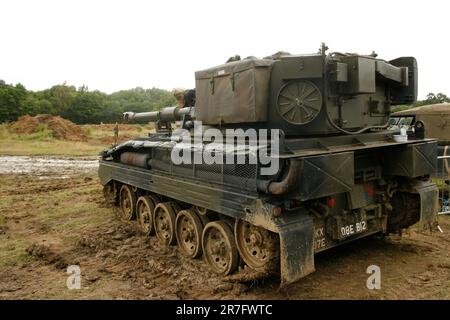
299, 101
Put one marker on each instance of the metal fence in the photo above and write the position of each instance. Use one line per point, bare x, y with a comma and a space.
443, 183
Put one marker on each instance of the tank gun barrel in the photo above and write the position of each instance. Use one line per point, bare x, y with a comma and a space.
169, 114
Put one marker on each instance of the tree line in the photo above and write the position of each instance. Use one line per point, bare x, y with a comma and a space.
431, 98
79, 105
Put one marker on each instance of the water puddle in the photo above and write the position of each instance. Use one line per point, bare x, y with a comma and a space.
47, 167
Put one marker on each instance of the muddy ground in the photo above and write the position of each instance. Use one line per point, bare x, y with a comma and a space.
53, 216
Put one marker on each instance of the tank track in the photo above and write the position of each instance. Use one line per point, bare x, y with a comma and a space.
224, 243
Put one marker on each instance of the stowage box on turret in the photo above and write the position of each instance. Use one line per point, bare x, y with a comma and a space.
278, 159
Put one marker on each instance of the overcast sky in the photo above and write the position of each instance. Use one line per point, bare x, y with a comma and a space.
113, 45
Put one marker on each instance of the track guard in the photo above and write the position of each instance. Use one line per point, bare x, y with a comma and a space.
296, 248
429, 200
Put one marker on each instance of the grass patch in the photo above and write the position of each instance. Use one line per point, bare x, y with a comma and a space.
12, 251
443, 294
69, 211
14, 147
5, 202
63, 214
43, 143
42, 133
87, 131
58, 214
4, 132
86, 219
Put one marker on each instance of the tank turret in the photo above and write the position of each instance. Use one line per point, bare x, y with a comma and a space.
301, 95
306, 95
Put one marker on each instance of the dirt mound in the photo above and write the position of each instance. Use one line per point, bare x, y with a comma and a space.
44, 253
60, 128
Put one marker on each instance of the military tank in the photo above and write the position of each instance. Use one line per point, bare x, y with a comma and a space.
277, 159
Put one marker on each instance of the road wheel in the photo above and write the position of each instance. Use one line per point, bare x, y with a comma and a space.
258, 247
144, 215
127, 203
219, 248
189, 231
164, 222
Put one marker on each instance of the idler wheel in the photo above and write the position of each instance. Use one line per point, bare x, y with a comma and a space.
144, 215
127, 200
189, 229
164, 222
219, 248
258, 247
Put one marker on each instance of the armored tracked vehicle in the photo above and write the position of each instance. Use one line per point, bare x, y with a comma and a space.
277, 159
437, 122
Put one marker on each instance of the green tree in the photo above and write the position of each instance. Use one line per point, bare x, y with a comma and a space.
432, 98
12, 101
79, 105
86, 107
